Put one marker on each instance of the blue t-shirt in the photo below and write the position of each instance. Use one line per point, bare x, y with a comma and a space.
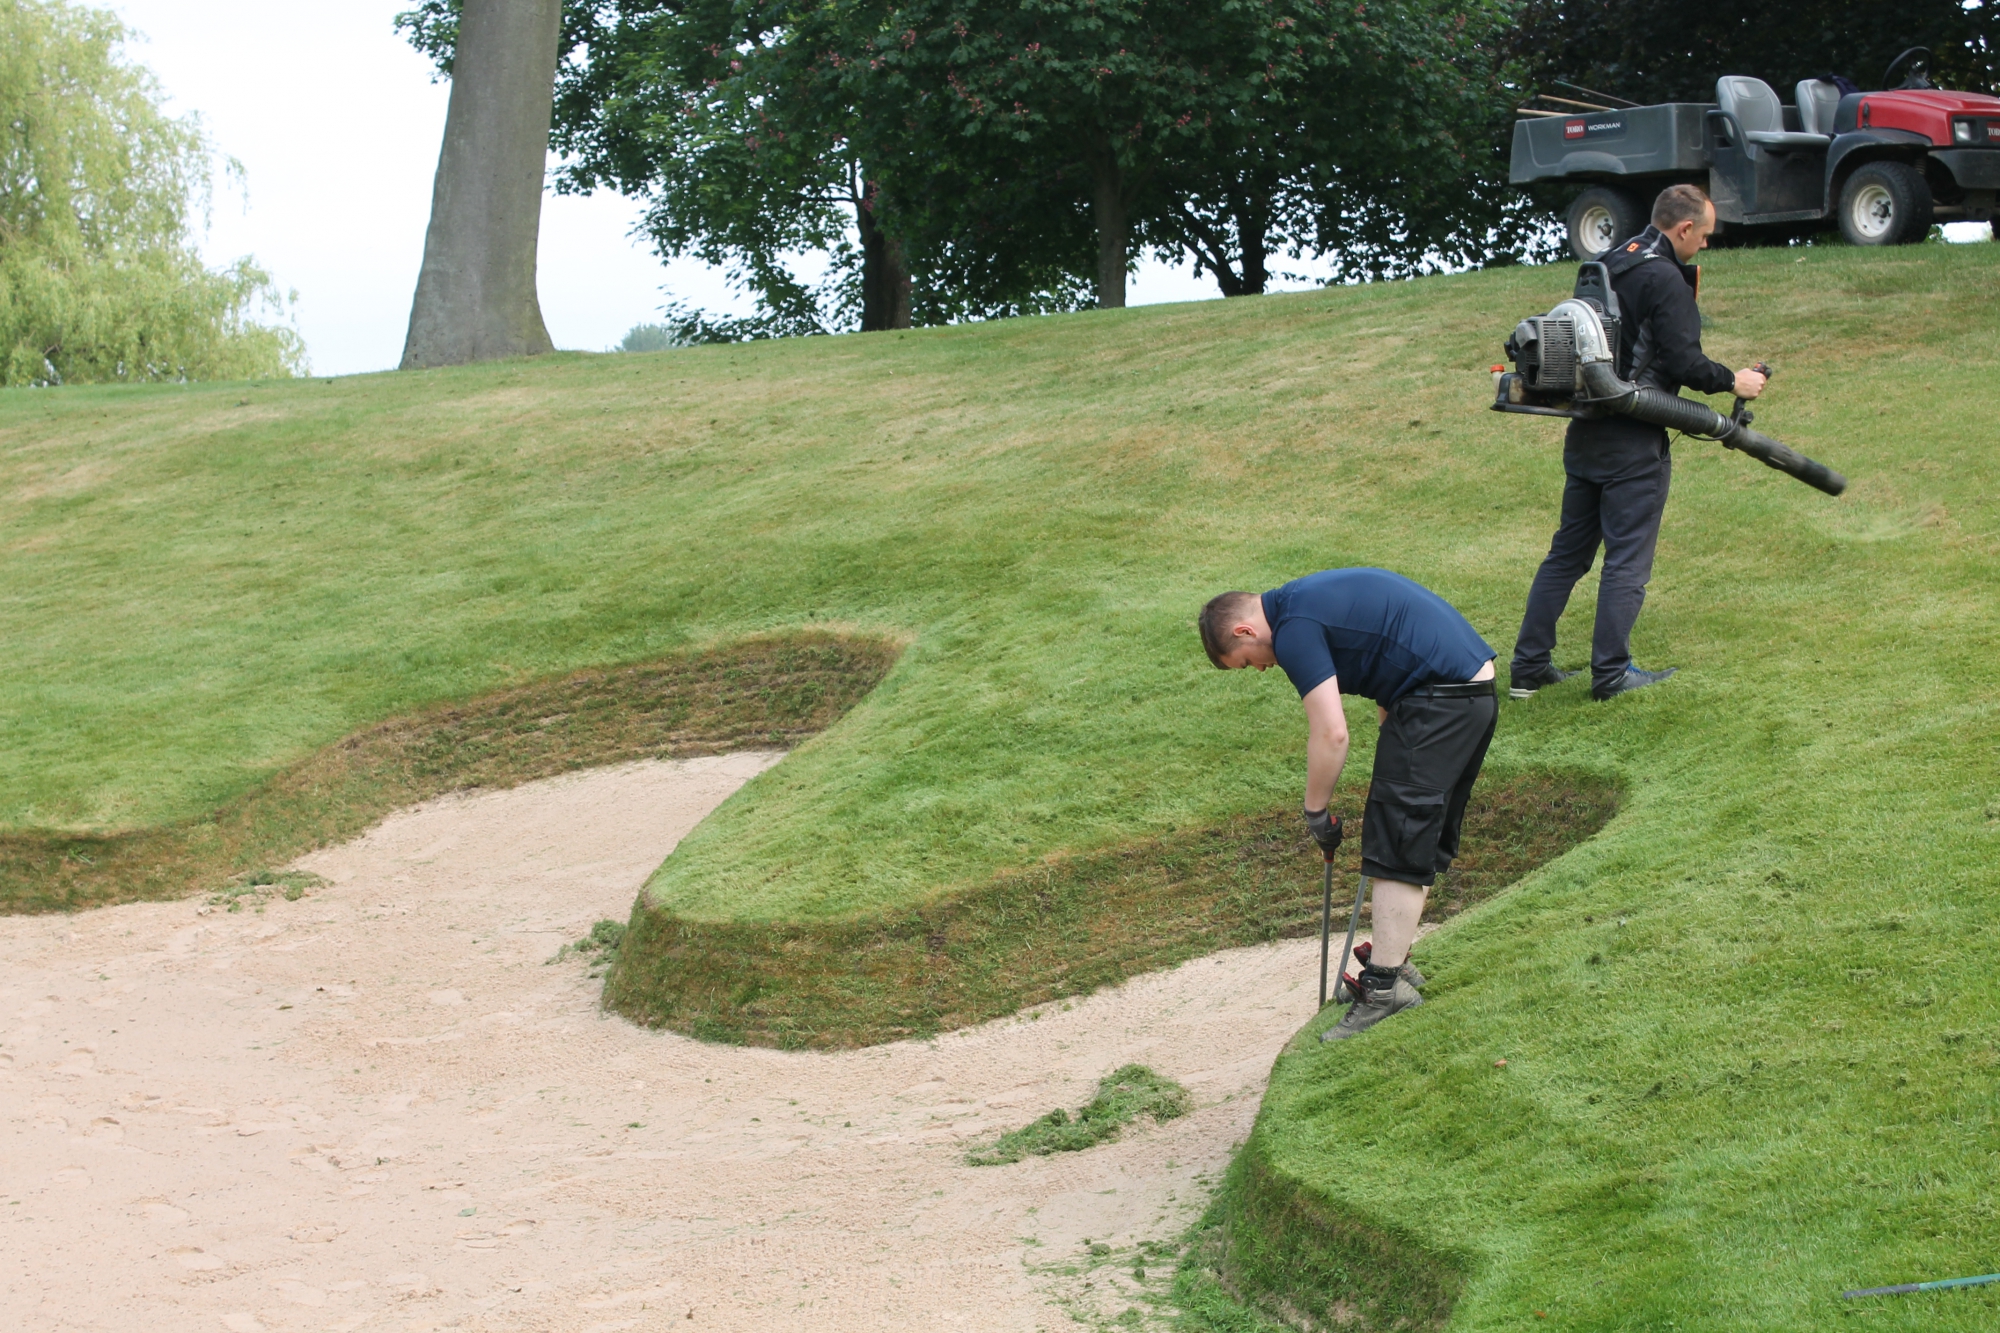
1381, 633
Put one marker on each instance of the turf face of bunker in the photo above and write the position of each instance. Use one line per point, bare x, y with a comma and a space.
762, 692
1064, 927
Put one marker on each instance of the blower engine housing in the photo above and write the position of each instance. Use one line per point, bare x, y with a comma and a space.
1566, 365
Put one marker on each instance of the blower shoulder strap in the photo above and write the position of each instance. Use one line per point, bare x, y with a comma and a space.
1628, 257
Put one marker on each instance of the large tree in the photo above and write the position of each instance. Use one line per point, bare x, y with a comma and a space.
1102, 91
476, 297
99, 275
763, 131
683, 105
966, 158
1224, 128
1364, 135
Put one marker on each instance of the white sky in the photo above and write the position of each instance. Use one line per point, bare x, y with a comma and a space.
337, 124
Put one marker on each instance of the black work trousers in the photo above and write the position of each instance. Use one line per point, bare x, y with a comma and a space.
1426, 759
1619, 508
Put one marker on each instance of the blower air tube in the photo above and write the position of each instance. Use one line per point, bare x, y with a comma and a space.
1613, 395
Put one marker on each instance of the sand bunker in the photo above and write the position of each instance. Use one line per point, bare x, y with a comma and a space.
378, 1107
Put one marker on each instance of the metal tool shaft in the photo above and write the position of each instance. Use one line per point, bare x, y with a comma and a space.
1353, 923
1325, 930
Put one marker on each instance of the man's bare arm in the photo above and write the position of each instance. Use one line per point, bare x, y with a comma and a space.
1326, 742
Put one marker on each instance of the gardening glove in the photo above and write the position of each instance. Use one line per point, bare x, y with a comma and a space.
1324, 825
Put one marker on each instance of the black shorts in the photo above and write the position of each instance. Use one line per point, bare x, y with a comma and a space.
1426, 760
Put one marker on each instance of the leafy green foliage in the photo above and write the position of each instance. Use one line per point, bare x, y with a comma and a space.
1668, 51
1123, 1096
993, 158
99, 279
1231, 128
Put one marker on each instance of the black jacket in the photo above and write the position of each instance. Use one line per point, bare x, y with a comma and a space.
1661, 347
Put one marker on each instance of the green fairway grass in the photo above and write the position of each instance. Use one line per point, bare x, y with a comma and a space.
1762, 1071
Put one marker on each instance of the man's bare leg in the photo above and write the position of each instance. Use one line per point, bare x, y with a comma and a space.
1398, 909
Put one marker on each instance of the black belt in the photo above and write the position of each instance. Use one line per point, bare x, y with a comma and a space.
1468, 689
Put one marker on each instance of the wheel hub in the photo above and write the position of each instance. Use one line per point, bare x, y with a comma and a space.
1596, 227
1873, 211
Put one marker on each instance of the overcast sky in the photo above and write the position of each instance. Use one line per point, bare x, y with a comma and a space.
337, 124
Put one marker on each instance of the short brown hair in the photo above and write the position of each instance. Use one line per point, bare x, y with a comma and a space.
1222, 614
1678, 204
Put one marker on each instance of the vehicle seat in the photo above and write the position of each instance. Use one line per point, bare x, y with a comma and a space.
1818, 102
1762, 116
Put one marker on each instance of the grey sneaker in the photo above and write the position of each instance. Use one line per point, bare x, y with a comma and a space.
1524, 684
1372, 1008
1633, 679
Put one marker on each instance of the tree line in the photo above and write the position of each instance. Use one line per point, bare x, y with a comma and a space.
958, 159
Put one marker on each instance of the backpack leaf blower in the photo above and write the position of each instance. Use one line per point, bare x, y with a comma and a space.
1566, 365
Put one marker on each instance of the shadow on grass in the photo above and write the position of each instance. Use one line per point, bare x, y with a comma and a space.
769, 691
1067, 927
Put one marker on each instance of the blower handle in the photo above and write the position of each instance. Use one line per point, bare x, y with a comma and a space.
1741, 412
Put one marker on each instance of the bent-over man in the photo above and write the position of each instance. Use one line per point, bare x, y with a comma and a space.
1379, 635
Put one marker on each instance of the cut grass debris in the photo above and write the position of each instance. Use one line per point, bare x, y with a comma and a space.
1123, 1096
1066, 927
600, 946
261, 885
770, 691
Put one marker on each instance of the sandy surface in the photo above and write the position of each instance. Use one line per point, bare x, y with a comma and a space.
379, 1107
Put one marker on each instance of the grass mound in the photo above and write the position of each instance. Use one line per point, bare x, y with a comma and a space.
1066, 927
1751, 1027
770, 691
1123, 1096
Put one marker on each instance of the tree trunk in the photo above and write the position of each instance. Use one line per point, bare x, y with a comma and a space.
1252, 227
885, 273
1107, 210
475, 296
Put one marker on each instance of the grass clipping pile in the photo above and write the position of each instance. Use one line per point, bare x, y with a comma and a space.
1123, 1096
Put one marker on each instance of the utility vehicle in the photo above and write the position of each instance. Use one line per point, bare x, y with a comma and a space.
1881, 166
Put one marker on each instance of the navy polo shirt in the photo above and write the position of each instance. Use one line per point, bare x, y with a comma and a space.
1381, 633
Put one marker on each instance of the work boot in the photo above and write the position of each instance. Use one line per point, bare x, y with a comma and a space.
1523, 684
1375, 1004
1633, 679
1343, 989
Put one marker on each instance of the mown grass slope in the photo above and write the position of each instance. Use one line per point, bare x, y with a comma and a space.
1778, 1077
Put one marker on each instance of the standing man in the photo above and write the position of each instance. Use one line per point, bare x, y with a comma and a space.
1618, 468
1379, 635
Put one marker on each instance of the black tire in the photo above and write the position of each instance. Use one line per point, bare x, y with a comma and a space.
1601, 217
1885, 203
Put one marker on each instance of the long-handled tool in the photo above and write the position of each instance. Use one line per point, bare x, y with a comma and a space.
1326, 928
1942, 1284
